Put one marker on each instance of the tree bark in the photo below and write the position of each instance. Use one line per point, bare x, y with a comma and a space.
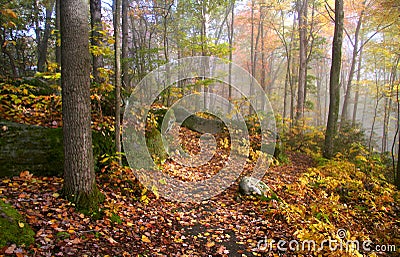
125, 44
230, 40
5, 51
397, 181
331, 127
356, 51
42, 47
117, 49
357, 95
58, 28
79, 177
302, 12
397, 171
263, 61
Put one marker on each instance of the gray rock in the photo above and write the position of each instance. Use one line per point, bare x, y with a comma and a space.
249, 185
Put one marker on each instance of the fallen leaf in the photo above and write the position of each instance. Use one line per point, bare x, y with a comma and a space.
77, 240
10, 249
221, 249
210, 244
145, 239
111, 240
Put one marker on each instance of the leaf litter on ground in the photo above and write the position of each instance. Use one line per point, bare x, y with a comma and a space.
134, 222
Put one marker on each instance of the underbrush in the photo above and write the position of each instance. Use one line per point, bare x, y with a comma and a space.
349, 145
345, 206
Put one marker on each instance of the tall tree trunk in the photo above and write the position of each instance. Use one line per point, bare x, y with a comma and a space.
389, 102
79, 177
378, 98
42, 47
331, 127
320, 74
288, 76
117, 51
386, 120
252, 51
230, 39
378, 74
397, 180
302, 12
293, 79
357, 96
58, 28
125, 44
263, 62
97, 38
347, 95
393, 79
397, 170
5, 51
326, 98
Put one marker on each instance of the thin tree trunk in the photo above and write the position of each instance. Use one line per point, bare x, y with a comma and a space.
125, 43
79, 177
230, 38
96, 39
347, 95
58, 26
288, 76
302, 12
252, 52
252, 38
393, 79
331, 127
397, 181
117, 52
386, 120
319, 96
5, 51
378, 97
374, 117
326, 99
263, 64
292, 91
42, 47
397, 171
357, 96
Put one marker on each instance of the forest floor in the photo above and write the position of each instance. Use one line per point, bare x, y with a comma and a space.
134, 222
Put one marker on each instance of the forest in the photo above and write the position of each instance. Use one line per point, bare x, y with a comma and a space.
199, 128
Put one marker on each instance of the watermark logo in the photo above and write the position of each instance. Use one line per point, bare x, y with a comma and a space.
342, 244
214, 70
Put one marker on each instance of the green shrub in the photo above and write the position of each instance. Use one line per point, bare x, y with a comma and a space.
350, 141
304, 138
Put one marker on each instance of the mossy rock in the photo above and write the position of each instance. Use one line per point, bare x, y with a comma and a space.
155, 146
40, 149
27, 147
14, 229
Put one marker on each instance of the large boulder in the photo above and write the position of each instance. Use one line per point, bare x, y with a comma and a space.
34, 148
40, 149
191, 121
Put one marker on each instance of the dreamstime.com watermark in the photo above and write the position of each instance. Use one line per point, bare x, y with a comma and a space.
342, 245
